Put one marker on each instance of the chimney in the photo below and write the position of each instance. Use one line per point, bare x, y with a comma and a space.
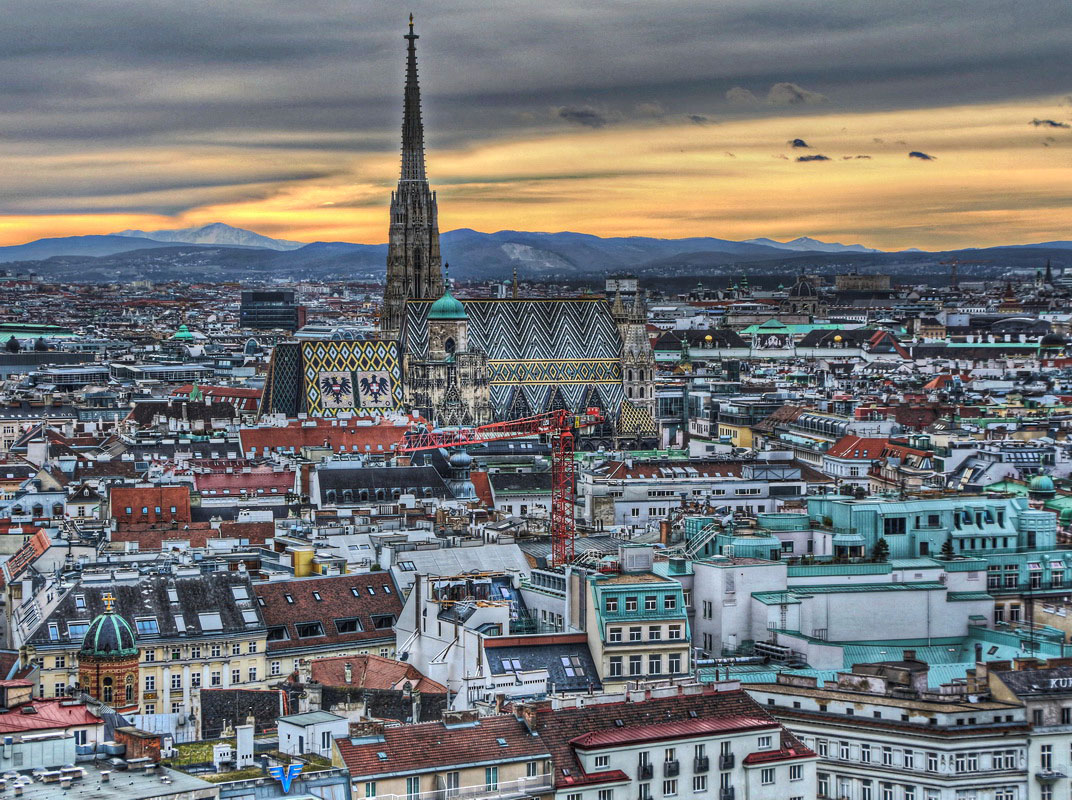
909, 655
348, 672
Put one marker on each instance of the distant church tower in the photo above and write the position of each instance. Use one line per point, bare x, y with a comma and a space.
414, 266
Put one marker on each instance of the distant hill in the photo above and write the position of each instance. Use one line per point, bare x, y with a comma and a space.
472, 255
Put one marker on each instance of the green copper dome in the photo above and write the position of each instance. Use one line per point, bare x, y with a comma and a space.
1042, 484
183, 334
109, 636
447, 307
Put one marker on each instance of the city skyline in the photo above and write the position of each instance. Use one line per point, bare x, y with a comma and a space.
863, 123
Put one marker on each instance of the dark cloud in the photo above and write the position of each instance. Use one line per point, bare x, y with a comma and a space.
850, 158
697, 119
797, 143
1049, 123
789, 94
730, 155
922, 156
587, 116
247, 74
815, 157
741, 97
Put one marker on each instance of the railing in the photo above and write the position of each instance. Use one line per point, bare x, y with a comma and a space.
726, 793
725, 761
671, 768
701, 764
645, 772
501, 790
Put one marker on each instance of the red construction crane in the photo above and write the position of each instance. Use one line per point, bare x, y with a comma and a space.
558, 426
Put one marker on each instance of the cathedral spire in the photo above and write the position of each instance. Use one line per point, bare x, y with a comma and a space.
412, 126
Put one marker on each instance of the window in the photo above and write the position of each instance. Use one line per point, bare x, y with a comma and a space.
887, 756
147, 625
176, 683
1046, 756
635, 634
766, 776
606, 794
602, 762
932, 762
908, 759
865, 790
61, 662
612, 604
764, 743
150, 683
252, 672
351, 625
572, 666
216, 678
630, 604
655, 633
670, 602
370, 789
843, 751
636, 665
308, 630
673, 632
413, 786
236, 648
865, 753
210, 621
796, 772
821, 747
670, 787
655, 664
650, 602
236, 675
699, 783
195, 680
274, 667
673, 663
614, 634
491, 778
615, 666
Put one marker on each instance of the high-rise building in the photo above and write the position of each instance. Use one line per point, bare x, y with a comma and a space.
267, 310
414, 265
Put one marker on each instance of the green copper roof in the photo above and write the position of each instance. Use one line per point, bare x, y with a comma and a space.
109, 635
447, 307
183, 334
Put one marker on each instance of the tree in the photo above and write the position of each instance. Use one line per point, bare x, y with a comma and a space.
947, 549
40, 345
882, 550
13, 345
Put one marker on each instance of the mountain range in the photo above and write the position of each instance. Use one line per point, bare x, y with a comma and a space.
219, 252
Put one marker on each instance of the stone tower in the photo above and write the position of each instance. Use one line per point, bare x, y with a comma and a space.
414, 266
638, 359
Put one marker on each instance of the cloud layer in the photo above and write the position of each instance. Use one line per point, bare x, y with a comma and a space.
285, 116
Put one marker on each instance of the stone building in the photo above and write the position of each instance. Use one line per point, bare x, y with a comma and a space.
108, 660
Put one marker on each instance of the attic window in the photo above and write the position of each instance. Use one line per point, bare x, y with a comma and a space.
173, 595
501, 741
407, 566
351, 625
80, 602
210, 621
316, 596
512, 663
260, 602
240, 593
307, 630
249, 616
355, 591
289, 598
619, 724
148, 625
386, 589
381, 755
372, 590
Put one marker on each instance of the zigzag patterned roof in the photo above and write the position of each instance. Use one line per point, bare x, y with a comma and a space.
536, 346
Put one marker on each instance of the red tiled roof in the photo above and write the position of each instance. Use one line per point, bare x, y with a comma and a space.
351, 436
150, 497
857, 447
535, 639
372, 672
341, 597
259, 480
482, 485
434, 746
670, 730
48, 715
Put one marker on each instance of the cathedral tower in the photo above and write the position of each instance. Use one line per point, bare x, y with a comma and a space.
414, 267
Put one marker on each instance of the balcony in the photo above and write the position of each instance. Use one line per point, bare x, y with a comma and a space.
671, 769
726, 761
725, 794
645, 772
1048, 775
701, 764
502, 790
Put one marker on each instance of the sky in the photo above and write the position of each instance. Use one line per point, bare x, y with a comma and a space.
893, 123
